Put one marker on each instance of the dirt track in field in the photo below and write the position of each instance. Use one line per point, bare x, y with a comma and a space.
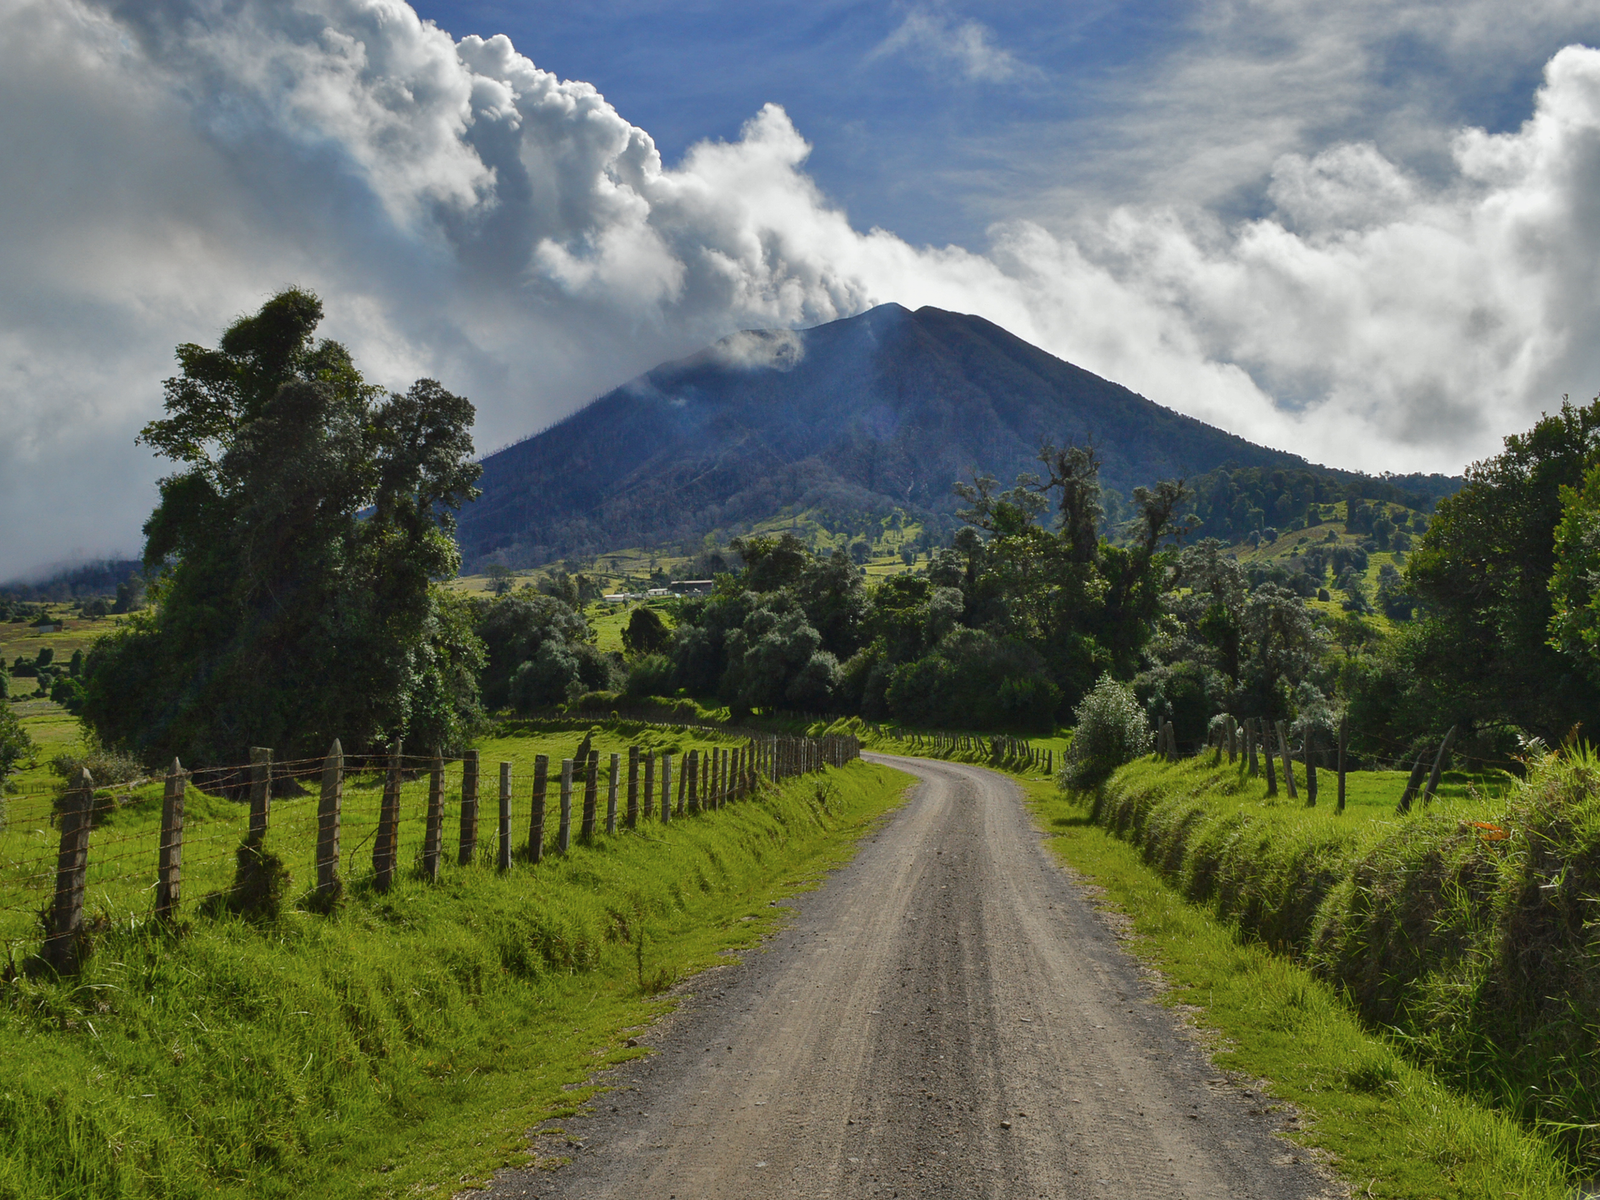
947, 1016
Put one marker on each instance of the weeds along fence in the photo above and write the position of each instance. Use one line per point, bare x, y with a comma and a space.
339, 820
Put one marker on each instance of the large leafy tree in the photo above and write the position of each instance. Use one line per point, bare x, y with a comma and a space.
1481, 655
296, 549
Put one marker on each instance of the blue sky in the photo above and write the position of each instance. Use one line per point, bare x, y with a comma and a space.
1365, 232
905, 140
917, 141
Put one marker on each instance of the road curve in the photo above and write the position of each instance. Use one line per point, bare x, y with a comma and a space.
947, 1016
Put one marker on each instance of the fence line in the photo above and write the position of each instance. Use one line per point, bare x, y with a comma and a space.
185, 853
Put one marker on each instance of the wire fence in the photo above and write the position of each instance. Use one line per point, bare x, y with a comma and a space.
229, 837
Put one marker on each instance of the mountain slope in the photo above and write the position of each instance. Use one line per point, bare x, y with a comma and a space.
886, 408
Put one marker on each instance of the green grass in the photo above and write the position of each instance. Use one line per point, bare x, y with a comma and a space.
1390, 1127
407, 1042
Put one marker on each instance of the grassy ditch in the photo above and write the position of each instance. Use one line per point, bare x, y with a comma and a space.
408, 1041
1390, 1127
1468, 930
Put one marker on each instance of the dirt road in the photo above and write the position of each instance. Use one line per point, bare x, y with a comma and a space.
947, 1016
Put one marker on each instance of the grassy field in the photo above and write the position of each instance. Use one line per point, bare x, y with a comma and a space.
1387, 1125
407, 1042
21, 639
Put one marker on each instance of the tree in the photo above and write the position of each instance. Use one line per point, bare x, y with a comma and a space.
1110, 730
521, 627
130, 594
15, 744
1284, 646
1483, 575
294, 553
646, 632
500, 578
1075, 473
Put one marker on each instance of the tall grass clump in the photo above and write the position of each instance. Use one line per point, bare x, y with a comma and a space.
1470, 930
1109, 729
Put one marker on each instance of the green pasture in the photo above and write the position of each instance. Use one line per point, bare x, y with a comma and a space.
127, 825
407, 1042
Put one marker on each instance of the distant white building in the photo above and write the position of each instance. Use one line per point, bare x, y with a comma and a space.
657, 594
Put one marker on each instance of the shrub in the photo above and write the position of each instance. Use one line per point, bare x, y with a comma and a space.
104, 766
14, 740
651, 675
1110, 730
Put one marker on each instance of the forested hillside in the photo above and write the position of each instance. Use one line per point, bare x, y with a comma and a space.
854, 418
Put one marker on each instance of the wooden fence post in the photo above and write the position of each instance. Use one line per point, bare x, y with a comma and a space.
632, 819
1412, 784
648, 808
685, 764
1288, 763
169, 855
503, 850
1344, 740
541, 789
1438, 766
691, 781
1311, 767
260, 793
590, 767
72, 868
330, 808
666, 787
564, 831
1270, 755
433, 831
386, 847
469, 809
611, 793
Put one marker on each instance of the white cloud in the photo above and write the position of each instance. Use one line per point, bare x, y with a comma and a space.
467, 215
966, 46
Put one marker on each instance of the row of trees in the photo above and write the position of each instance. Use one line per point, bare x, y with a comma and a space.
296, 551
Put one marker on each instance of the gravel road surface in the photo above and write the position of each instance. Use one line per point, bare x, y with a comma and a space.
948, 1016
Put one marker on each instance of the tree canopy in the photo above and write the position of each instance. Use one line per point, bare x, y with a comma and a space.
292, 557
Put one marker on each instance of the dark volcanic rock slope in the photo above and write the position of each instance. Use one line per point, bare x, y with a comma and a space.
889, 407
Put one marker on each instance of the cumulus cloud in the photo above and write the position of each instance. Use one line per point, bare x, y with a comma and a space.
967, 47
468, 215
